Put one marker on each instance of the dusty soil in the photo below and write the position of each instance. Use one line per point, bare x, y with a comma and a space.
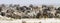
42, 20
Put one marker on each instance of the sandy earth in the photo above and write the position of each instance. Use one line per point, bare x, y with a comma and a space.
42, 20
48, 20
32, 21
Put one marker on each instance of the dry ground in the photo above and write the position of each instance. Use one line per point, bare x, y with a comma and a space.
42, 20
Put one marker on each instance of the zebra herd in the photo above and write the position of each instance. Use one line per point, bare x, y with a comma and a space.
31, 11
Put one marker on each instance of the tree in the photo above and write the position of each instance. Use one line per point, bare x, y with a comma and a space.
44, 6
16, 5
3, 5
10, 5
31, 5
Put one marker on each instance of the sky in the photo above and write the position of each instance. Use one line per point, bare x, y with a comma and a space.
27, 2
